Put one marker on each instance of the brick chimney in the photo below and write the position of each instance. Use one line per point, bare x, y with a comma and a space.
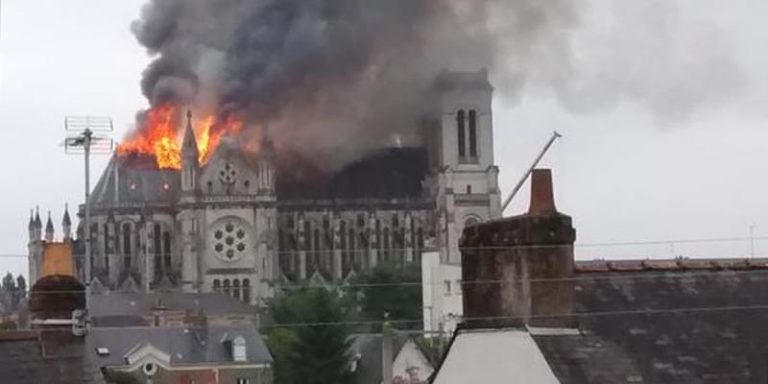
513, 268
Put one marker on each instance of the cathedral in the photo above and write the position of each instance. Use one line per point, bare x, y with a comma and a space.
242, 224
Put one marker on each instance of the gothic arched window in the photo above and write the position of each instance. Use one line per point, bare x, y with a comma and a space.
247, 291
236, 288
226, 286
473, 134
127, 245
167, 250
460, 120
216, 285
156, 248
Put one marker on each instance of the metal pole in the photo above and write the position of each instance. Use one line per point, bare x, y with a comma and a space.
87, 137
520, 183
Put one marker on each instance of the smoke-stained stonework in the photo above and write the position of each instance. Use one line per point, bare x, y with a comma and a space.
243, 222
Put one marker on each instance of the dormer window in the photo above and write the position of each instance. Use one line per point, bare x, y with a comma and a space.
239, 352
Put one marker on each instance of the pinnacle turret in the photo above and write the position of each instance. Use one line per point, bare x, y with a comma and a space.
189, 146
49, 228
38, 222
31, 225
66, 223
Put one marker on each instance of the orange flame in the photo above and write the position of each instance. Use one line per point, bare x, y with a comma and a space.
162, 134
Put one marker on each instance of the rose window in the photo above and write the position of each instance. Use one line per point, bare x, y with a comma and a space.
228, 174
230, 239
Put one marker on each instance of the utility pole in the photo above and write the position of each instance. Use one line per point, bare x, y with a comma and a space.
88, 135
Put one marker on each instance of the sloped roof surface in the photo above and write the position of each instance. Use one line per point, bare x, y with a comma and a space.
369, 369
498, 356
44, 357
136, 180
184, 345
139, 304
666, 322
386, 174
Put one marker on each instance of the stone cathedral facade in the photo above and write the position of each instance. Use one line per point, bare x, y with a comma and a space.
243, 223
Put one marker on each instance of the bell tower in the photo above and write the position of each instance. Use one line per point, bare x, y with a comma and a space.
466, 175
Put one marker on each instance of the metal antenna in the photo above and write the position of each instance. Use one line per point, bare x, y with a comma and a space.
88, 135
520, 183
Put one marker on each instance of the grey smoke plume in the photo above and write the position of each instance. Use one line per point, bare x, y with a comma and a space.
341, 77
321, 73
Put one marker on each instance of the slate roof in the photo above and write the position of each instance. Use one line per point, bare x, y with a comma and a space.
116, 305
35, 357
674, 321
392, 173
134, 179
184, 345
369, 368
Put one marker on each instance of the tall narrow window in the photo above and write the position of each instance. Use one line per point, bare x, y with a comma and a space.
106, 247
352, 250
226, 286
307, 236
167, 246
345, 259
94, 237
473, 134
236, 289
247, 291
127, 245
156, 247
216, 285
316, 247
385, 246
460, 119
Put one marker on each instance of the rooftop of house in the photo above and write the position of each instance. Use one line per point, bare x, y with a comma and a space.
368, 348
51, 356
109, 347
662, 321
126, 309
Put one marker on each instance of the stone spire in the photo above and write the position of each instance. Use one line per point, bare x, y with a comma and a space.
66, 223
189, 158
31, 225
49, 228
189, 146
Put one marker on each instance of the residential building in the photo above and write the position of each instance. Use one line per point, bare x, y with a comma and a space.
531, 311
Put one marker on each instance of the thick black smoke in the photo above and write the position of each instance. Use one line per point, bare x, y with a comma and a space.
341, 77
320, 72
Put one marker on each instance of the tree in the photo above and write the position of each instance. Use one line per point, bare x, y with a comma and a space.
8, 292
394, 291
309, 340
21, 290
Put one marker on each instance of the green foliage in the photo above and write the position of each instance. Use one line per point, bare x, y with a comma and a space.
7, 325
8, 284
391, 290
120, 377
311, 345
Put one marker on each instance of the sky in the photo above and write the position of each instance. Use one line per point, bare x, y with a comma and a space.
662, 106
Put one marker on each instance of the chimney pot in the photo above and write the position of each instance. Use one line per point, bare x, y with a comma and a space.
542, 196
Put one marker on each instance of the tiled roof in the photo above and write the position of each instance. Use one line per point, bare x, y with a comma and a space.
184, 345
675, 321
36, 357
125, 305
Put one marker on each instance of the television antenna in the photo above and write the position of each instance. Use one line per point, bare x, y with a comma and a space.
87, 135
